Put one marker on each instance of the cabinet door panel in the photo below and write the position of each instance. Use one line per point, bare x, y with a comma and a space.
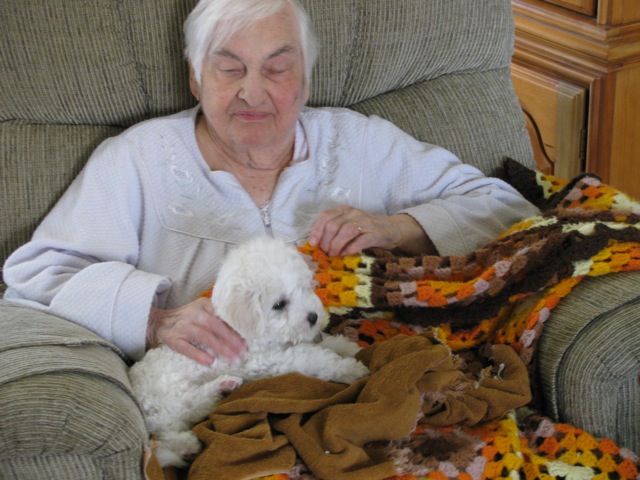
588, 7
554, 110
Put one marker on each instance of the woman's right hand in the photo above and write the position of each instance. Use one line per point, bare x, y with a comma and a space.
192, 330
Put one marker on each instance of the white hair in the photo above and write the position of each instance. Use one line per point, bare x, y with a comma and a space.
212, 23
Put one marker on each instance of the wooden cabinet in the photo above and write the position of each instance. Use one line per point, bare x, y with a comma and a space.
576, 70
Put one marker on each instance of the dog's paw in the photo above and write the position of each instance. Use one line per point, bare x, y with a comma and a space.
360, 370
226, 384
340, 344
353, 370
177, 449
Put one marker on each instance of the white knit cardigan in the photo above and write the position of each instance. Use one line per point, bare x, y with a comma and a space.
147, 221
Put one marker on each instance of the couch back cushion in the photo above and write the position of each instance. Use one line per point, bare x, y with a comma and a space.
74, 72
75, 62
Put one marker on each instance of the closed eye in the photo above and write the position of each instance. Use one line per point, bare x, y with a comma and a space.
280, 304
275, 71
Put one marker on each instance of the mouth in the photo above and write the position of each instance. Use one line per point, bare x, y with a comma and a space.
251, 117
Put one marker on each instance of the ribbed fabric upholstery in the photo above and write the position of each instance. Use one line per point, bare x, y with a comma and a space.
469, 114
157, 47
589, 358
75, 72
66, 404
68, 63
382, 47
121, 466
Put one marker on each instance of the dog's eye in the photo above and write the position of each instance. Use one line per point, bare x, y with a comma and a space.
280, 304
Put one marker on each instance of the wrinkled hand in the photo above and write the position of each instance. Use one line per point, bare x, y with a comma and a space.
191, 329
347, 231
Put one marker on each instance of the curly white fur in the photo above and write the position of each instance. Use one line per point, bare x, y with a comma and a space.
264, 290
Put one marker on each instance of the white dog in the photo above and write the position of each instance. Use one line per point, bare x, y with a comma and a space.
264, 290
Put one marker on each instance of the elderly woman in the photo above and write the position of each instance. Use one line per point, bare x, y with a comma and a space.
140, 233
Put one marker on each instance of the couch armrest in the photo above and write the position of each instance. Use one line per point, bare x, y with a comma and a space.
589, 358
66, 408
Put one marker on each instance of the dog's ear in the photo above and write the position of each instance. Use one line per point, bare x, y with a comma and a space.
240, 307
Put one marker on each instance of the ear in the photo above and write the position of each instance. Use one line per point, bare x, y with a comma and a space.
193, 83
240, 308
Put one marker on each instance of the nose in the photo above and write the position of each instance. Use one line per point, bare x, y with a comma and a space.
312, 318
252, 89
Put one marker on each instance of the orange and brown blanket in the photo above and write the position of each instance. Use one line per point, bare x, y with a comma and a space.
450, 342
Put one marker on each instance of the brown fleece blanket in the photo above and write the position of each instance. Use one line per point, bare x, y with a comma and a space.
258, 429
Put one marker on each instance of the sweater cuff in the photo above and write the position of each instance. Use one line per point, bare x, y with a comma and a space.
131, 308
440, 228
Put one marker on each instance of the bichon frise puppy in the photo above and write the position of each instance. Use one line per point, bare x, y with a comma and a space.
264, 290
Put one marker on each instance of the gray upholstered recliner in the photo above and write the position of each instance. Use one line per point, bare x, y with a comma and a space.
73, 73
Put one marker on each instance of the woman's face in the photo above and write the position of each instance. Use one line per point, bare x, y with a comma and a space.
253, 88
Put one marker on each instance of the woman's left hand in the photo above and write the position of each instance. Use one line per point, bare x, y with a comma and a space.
347, 231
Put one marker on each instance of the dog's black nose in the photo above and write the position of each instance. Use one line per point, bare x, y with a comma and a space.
312, 318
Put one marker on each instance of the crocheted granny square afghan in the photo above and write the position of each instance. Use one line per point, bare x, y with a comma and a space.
500, 294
